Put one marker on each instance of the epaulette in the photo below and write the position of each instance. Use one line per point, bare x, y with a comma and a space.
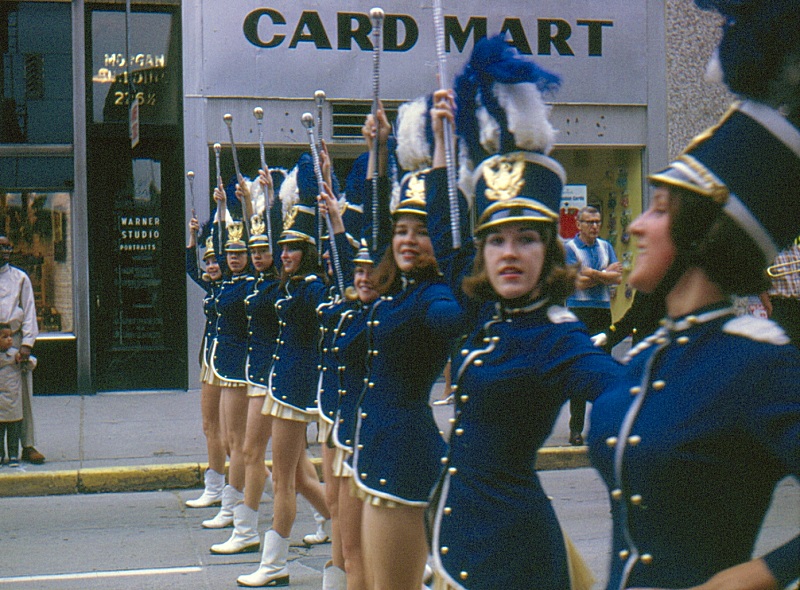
311, 278
560, 315
757, 329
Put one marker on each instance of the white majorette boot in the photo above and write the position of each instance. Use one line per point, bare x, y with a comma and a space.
231, 498
272, 571
245, 537
323, 533
212, 494
333, 578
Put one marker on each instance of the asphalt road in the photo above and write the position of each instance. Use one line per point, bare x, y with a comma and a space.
149, 540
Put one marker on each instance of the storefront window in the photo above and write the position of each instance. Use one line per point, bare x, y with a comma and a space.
609, 179
36, 73
39, 226
155, 86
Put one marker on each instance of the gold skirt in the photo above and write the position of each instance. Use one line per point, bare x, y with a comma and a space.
256, 390
340, 467
368, 498
286, 411
580, 576
324, 429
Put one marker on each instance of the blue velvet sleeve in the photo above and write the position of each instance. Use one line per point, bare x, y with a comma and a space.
774, 418
455, 264
193, 271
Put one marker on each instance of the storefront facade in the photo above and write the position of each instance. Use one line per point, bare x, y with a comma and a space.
100, 226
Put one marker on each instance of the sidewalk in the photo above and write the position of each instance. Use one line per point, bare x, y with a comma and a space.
113, 442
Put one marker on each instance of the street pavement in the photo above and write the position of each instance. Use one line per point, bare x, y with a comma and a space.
59, 531
114, 442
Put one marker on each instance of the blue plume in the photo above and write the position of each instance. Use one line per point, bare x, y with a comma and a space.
233, 204
493, 60
757, 37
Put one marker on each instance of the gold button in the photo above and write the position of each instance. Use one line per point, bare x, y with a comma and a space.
451, 420
635, 390
495, 338
683, 340
692, 319
487, 339
463, 575
624, 554
283, 397
444, 460
464, 398
659, 385
459, 431
363, 476
452, 470
447, 511
444, 550
371, 384
636, 499
646, 559
464, 352
348, 441
634, 440
611, 441
360, 447
616, 494
363, 415
660, 340
382, 481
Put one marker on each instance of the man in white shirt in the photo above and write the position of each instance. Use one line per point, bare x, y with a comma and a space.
18, 309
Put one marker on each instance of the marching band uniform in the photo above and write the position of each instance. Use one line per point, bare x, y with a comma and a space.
692, 448
398, 445
229, 350
519, 365
210, 288
330, 312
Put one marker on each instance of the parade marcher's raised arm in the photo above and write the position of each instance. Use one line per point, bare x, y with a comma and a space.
524, 353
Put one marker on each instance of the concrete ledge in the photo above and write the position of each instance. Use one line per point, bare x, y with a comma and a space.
43, 483
179, 476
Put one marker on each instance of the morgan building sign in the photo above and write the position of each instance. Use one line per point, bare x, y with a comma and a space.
286, 48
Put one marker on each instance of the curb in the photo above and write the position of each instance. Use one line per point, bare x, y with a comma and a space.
180, 476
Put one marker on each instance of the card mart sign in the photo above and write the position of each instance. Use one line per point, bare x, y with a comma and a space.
289, 49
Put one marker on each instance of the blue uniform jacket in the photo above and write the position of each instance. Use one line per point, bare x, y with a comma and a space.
518, 367
293, 376
693, 448
262, 327
209, 309
229, 351
350, 351
398, 445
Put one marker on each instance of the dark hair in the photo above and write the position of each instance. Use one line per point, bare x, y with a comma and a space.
5, 326
387, 275
707, 238
557, 280
308, 263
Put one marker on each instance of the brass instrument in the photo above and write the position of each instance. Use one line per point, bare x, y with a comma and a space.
783, 269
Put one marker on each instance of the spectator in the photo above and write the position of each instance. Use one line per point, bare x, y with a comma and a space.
12, 376
591, 301
18, 309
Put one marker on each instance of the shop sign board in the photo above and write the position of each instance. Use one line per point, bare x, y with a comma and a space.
288, 49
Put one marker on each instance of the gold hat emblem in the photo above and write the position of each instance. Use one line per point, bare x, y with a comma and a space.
235, 231
257, 226
210, 244
504, 176
416, 187
289, 221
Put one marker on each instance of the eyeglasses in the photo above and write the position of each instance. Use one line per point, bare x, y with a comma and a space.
591, 222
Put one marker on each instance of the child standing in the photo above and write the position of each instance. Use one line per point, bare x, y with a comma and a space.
12, 373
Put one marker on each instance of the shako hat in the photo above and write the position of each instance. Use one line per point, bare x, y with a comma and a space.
299, 197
